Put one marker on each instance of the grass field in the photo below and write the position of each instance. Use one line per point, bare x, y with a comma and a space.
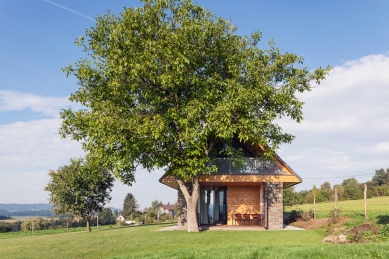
147, 242
377, 208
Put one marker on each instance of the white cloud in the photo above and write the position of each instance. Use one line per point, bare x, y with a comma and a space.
345, 132
29, 149
346, 124
17, 101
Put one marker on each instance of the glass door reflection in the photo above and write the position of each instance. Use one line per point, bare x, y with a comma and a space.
213, 205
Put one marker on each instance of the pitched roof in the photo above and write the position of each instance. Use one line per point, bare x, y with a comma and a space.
167, 207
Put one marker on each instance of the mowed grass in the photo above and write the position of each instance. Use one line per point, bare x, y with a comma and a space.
147, 242
377, 208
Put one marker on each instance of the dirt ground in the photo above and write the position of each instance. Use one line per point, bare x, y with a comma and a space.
315, 223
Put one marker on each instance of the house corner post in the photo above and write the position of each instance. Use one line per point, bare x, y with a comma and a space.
274, 202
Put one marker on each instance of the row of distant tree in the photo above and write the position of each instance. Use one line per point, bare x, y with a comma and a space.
41, 224
349, 189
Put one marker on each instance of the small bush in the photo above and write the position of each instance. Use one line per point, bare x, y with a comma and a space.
334, 216
384, 232
360, 235
300, 215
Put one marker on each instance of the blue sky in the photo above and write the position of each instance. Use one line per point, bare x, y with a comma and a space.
346, 118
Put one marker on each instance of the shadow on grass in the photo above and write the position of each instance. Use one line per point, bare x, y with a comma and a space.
382, 219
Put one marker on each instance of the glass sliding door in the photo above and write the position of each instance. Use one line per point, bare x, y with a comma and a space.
213, 205
222, 205
206, 206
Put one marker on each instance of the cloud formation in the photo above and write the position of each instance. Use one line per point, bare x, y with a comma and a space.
345, 132
346, 121
16, 101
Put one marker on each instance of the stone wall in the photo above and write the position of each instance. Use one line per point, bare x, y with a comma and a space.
274, 200
182, 222
241, 200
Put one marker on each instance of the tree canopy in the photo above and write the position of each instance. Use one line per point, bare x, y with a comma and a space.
167, 82
79, 188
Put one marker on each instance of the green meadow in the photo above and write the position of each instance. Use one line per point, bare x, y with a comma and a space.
377, 209
149, 242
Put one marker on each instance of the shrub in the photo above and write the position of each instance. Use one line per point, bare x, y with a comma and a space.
384, 232
300, 215
334, 216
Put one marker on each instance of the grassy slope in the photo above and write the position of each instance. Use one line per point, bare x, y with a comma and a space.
377, 207
146, 242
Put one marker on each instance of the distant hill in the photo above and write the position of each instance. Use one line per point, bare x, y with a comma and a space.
113, 209
39, 213
14, 207
38, 209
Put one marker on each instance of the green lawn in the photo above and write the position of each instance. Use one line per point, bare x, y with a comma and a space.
377, 207
146, 242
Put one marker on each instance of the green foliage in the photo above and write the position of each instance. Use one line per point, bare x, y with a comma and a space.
300, 215
289, 196
10, 227
381, 177
106, 216
384, 232
352, 189
326, 191
334, 216
79, 188
38, 224
168, 81
156, 207
129, 205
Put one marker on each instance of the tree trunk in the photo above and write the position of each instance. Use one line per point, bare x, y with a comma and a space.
88, 224
191, 203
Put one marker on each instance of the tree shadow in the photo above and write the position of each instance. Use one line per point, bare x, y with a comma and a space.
382, 219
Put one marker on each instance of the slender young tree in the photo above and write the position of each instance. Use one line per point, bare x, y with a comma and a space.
79, 188
156, 208
167, 82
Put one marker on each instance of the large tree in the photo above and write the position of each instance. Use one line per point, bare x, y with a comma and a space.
79, 188
167, 82
129, 205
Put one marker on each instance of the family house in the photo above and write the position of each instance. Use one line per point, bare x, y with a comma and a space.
167, 209
120, 217
244, 191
